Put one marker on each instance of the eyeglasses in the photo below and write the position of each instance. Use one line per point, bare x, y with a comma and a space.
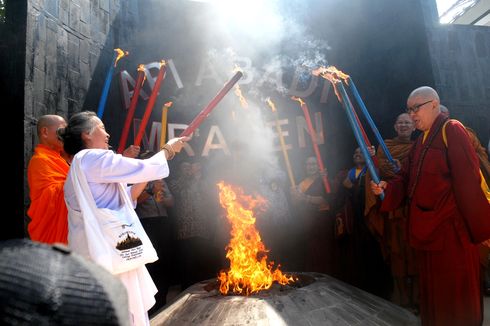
416, 108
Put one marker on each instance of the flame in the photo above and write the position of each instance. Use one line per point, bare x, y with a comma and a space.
333, 75
237, 69
249, 271
168, 104
271, 104
141, 68
243, 101
163, 63
120, 54
295, 98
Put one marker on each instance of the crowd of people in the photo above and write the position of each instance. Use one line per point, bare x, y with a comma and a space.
423, 247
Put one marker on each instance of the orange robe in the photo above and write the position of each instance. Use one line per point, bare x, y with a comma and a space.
449, 216
46, 175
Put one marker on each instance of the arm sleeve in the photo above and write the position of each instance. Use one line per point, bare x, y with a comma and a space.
104, 166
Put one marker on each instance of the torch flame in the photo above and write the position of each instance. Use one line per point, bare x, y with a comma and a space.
141, 68
168, 104
333, 75
295, 98
243, 101
237, 69
163, 63
120, 54
249, 271
271, 104
238, 91
330, 73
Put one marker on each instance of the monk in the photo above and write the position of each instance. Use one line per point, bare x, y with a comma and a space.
46, 174
390, 228
448, 213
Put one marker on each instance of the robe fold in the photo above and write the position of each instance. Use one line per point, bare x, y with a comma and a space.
448, 216
46, 175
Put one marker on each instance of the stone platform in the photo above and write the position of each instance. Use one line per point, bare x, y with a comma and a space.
316, 299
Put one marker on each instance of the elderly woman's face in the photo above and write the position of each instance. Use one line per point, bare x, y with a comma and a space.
99, 138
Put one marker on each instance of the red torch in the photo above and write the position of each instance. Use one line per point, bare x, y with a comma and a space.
312, 132
151, 102
132, 108
207, 110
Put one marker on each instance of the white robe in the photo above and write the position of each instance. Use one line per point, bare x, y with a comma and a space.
103, 170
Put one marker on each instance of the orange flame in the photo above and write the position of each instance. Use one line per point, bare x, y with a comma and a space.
141, 68
163, 63
249, 271
295, 98
168, 104
120, 54
271, 104
333, 75
243, 101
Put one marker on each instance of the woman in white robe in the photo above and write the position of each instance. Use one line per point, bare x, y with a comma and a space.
85, 138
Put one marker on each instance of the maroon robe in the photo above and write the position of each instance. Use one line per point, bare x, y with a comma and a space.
449, 215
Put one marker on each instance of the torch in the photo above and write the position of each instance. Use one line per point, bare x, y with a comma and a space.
334, 76
357, 133
353, 88
151, 103
107, 84
312, 132
132, 108
207, 110
282, 142
163, 130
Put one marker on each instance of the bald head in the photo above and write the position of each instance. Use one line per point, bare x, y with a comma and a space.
423, 107
48, 121
47, 125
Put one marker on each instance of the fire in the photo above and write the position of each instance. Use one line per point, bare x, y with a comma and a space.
294, 98
163, 63
333, 75
120, 54
243, 101
168, 104
271, 104
249, 271
141, 68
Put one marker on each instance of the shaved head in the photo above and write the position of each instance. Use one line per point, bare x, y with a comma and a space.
47, 125
48, 121
425, 93
423, 107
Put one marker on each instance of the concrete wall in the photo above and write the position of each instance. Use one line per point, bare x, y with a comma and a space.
69, 48
460, 57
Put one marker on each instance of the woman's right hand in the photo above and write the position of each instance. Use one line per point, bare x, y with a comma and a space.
178, 143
